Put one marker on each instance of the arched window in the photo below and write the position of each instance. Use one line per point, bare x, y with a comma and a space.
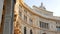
30, 31
24, 30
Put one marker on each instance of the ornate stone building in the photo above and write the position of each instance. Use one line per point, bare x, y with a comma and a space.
19, 18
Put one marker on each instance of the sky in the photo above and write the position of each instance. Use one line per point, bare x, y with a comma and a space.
50, 5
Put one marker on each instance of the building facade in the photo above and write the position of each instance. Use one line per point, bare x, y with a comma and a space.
34, 21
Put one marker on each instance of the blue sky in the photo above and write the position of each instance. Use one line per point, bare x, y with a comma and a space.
51, 5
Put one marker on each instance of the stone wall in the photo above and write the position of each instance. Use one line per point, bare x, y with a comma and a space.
1, 8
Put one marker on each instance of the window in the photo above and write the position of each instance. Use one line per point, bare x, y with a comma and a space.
43, 24
20, 6
57, 22
44, 33
58, 28
20, 13
31, 21
25, 18
30, 31
24, 30
25, 11
47, 25
15, 17
17, 24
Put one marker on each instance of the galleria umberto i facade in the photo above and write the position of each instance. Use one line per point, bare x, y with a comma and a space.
26, 20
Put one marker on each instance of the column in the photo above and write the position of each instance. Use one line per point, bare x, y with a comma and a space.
9, 14
1, 8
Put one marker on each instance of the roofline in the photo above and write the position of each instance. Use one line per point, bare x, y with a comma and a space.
46, 17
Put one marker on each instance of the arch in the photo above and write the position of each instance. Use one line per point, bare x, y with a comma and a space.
31, 32
24, 30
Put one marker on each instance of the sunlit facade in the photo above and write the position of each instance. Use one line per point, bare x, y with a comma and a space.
29, 21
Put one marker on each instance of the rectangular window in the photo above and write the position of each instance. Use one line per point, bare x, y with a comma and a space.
20, 13
25, 11
43, 24
20, 6
24, 30
58, 28
31, 21
30, 31
47, 26
40, 24
25, 18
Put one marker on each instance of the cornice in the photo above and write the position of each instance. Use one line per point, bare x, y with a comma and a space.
43, 16
33, 26
42, 9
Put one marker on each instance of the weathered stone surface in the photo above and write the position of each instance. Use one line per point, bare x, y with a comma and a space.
8, 21
1, 7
